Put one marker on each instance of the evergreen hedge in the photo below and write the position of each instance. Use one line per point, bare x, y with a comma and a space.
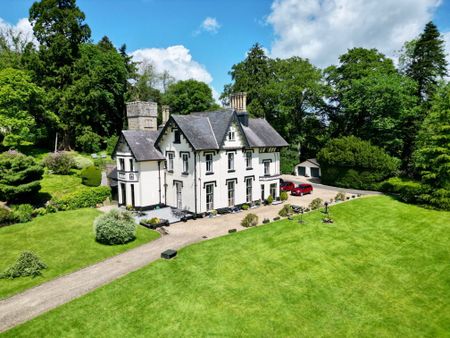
88, 198
91, 176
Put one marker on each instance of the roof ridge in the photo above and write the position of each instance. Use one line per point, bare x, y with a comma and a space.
212, 131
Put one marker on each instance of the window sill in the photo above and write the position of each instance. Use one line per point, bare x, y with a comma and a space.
210, 173
231, 171
170, 171
184, 173
249, 168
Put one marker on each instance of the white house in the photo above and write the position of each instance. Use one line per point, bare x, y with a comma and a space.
197, 162
308, 168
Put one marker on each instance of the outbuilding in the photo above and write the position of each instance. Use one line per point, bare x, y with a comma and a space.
308, 168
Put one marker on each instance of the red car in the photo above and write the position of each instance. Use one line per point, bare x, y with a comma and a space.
286, 186
302, 189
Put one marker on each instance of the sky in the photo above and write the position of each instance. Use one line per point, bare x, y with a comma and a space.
202, 39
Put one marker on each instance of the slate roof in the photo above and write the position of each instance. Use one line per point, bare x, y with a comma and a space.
207, 130
142, 144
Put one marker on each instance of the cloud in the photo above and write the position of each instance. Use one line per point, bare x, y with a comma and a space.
321, 30
23, 27
209, 25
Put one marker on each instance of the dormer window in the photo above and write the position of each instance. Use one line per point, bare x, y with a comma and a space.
177, 135
231, 134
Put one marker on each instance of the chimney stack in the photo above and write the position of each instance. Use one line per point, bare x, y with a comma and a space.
142, 115
239, 102
165, 113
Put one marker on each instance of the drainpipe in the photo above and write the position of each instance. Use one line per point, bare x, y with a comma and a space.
159, 181
195, 182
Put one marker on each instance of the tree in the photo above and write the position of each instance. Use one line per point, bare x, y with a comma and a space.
427, 62
59, 27
353, 163
20, 177
250, 76
432, 157
189, 96
23, 113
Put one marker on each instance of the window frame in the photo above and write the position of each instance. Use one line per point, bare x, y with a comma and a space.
185, 163
266, 166
170, 158
122, 164
249, 185
230, 161
209, 196
248, 159
209, 163
177, 136
231, 192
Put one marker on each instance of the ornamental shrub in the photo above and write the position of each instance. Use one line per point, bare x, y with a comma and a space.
284, 196
286, 211
269, 199
340, 196
60, 163
316, 204
249, 220
245, 207
353, 163
23, 213
115, 227
88, 141
6, 216
20, 177
91, 176
28, 264
86, 198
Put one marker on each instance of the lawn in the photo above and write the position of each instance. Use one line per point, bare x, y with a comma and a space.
380, 270
59, 185
64, 241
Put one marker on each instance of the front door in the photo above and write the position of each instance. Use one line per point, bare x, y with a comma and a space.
178, 187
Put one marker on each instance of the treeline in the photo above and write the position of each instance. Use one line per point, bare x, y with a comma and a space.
68, 85
402, 110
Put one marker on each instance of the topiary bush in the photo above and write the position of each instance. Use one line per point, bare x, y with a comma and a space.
350, 162
60, 163
115, 227
88, 198
316, 204
286, 211
91, 176
28, 264
284, 196
22, 213
245, 207
249, 220
340, 196
269, 199
20, 177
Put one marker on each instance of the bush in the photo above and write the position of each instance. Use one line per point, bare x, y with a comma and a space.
40, 212
115, 227
286, 211
88, 141
316, 204
28, 264
60, 163
91, 176
88, 198
245, 207
409, 191
269, 199
284, 196
353, 163
340, 196
249, 220
82, 162
23, 213
20, 177
6, 217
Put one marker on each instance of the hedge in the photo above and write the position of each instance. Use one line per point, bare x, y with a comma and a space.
91, 176
88, 198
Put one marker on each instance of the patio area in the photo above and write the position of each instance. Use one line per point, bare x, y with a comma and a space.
172, 215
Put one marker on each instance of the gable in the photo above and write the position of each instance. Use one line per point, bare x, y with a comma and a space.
234, 137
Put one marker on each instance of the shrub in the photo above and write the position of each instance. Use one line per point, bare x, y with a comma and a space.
6, 217
213, 212
316, 204
91, 176
82, 162
284, 196
88, 198
60, 163
88, 141
340, 196
269, 199
39, 212
115, 227
111, 144
28, 264
249, 220
353, 163
286, 211
245, 207
20, 177
409, 191
23, 213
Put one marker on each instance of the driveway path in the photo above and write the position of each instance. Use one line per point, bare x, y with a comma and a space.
42, 298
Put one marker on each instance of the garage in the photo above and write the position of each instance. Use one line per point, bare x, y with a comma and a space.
308, 168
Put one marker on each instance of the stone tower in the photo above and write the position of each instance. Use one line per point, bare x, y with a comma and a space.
142, 115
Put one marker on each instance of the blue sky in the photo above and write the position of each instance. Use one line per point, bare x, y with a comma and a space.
317, 29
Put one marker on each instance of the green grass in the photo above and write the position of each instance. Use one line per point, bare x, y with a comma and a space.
380, 270
64, 241
60, 185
